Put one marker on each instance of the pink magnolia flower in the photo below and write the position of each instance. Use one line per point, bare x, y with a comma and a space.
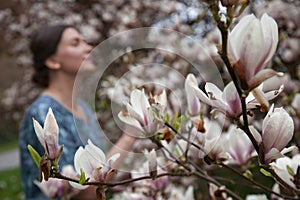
92, 161
281, 168
211, 141
192, 99
152, 163
238, 146
181, 193
48, 136
55, 187
140, 114
51, 188
277, 131
228, 101
251, 45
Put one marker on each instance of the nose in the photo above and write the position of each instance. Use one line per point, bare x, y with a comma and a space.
88, 47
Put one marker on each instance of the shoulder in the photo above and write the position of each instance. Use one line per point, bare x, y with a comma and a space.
40, 107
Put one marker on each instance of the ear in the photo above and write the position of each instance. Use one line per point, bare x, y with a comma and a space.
51, 63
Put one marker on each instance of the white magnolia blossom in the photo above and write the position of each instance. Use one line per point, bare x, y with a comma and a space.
193, 102
228, 101
210, 141
139, 111
92, 161
55, 187
52, 188
251, 45
177, 147
178, 193
48, 136
277, 131
239, 146
257, 197
148, 188
152, 160
296, 102
281, 166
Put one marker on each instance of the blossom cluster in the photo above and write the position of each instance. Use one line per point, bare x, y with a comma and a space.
232, 128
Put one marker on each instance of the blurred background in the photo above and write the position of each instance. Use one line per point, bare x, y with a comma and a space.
97, 21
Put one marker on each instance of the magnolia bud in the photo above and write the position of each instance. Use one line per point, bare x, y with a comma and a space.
152, 164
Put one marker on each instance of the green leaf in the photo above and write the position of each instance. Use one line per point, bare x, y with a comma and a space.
82, 177
265, 172
167, 118
34, 155
290, 170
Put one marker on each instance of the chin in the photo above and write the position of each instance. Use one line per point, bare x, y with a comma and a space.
87, 67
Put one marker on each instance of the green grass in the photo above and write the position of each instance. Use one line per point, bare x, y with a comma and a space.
10, 185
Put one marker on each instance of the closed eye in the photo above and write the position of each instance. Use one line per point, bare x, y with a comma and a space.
75, 42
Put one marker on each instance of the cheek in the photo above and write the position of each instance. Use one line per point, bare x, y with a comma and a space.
71, 61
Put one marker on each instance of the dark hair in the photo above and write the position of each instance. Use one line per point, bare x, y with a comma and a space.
44, 45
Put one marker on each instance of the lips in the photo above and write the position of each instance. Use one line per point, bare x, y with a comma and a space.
88, 58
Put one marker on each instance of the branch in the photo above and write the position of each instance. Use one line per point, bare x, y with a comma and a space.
259, 186
184, 138
224, 32
112, 184
281, 181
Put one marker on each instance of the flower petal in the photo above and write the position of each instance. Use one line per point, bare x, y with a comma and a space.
95, 152
39, 131
126, 118
192, 100
113, 158
50, 125
278, 130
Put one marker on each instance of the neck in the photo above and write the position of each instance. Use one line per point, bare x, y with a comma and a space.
61, 88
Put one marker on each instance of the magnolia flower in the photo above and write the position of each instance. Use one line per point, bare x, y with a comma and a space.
238, 146
48, 136
55, 187
92, 161
178, 193
296, 102
251, 45
52, 188
152, 163
177, 147
256, 197
192, 99
157, 184
276, 188
140, 113
210, 141
277, 131
228, 101
281, 166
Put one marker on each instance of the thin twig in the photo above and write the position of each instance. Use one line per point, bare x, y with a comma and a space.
181, 136
259, 186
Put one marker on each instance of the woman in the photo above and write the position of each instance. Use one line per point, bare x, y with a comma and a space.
58, 52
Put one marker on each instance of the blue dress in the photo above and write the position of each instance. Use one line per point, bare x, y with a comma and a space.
73, 133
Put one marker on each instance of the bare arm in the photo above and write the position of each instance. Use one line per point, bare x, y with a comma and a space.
123, 145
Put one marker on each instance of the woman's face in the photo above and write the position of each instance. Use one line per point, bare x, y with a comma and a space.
72, 50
